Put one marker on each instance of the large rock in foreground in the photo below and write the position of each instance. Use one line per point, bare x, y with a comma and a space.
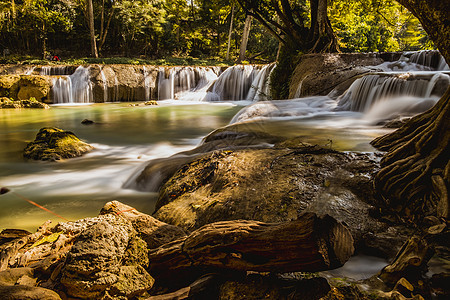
107, 260
54, 144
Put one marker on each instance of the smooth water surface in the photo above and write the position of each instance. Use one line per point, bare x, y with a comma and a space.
124, 137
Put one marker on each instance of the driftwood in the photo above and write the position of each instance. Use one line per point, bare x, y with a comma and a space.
307, 244
410, 262
198, 286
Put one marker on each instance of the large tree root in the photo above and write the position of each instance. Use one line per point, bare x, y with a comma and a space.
414, 175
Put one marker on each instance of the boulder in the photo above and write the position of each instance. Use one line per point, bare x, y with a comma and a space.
52, 144
35, 86
277, 184
23, 87
124, 82
108, 260
9, 85
20, 284
319, 74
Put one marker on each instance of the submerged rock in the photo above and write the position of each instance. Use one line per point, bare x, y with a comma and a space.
52, 144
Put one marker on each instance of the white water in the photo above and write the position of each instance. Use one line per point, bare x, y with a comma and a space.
234, 83
370, 89
175, 82
406, 87
76, 88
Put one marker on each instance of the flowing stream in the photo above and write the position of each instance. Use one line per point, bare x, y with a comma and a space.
200, 99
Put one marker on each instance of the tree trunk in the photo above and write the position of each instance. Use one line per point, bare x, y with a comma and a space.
307, 244
414, 178
244, 41
322, 36
90, 14
230, 31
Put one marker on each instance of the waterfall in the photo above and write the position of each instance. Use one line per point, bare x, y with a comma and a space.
260, 87
105, 85
235, 82
54, 70
147, 81
76, 88
369, 89
175, 82
428, 58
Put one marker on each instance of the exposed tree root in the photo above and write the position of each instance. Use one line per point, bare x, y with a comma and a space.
414, 175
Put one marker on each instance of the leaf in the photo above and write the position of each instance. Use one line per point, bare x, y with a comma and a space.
47, 239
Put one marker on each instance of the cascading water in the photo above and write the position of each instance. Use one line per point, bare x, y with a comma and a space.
76, 88
54, 70
429, 58
179, 82
105, 85
147, 81
260, 87
234, 83
406, 87
370, 89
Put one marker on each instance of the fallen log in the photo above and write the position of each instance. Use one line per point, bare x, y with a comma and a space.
308, 244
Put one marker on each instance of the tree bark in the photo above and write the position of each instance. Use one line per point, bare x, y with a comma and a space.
230, 31
323, 38
90, 14
414, 178
244, 41
308, 244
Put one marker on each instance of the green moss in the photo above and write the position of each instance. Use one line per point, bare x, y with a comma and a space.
280, 78
137, 253
54, 144
9, 85
6, 102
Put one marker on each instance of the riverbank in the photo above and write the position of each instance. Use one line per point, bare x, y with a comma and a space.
125, 254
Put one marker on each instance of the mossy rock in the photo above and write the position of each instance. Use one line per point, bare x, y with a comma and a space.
9, 85
33, 86
24, 87
29, 103
54, 144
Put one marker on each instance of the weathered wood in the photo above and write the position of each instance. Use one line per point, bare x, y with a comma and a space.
410, 261
198, 286
309, 244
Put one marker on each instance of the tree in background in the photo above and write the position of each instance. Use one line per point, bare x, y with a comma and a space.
27, 24
376, 25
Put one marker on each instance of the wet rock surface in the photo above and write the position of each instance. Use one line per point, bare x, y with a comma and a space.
29, 103
52, 144
319, 74
272, 185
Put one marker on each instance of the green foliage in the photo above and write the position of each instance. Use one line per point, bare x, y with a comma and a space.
191, 30
376, 25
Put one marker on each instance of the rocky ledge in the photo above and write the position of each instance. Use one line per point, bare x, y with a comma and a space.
126, 254
30, 103
52, 144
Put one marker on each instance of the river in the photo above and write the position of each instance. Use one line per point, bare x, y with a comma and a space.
125, 136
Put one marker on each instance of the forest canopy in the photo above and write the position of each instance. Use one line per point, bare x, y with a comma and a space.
195, 28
